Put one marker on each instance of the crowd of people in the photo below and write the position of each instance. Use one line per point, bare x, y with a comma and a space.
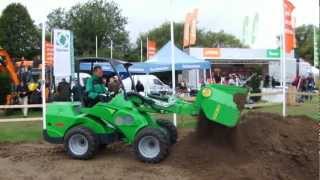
304, 84
28, 91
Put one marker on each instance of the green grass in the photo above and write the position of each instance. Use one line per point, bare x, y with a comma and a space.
309, 109
20, 131
31, 131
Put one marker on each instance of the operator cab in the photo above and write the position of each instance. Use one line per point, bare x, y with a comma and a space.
113, 73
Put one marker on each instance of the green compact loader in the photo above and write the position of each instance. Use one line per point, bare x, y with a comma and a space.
126, 117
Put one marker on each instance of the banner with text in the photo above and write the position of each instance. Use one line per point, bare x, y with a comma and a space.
62, 55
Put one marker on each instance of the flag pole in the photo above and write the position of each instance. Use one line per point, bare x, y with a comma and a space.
96, 46
315, 47
141, 51
173, 68
43, 73
283, 59
147, 47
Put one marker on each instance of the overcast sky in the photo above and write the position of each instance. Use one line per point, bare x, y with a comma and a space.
214, 15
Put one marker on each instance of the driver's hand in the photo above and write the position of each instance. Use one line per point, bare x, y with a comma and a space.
104, 97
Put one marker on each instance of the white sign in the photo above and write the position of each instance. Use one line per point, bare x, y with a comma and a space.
62, 55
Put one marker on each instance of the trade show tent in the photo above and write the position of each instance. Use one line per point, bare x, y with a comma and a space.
161, 61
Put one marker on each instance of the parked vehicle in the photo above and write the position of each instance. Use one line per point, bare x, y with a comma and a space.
152, 84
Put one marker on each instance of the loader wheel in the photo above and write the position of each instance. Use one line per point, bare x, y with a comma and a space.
171, 128
151, 145
80, 143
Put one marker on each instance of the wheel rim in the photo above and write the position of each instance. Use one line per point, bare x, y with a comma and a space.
149, 146
78, 144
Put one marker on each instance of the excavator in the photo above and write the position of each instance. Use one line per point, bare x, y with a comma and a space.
7, 65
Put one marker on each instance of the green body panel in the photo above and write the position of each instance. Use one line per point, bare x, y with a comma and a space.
118, 115
61, 116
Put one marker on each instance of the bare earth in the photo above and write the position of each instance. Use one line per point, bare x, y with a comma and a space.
264, 146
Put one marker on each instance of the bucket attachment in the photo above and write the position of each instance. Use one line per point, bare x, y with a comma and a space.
222, 104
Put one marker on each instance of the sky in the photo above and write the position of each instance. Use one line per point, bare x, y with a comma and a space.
215, 15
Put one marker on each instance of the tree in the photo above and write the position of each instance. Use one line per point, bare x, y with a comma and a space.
161, 35
5, 87
304, 37
94, 18
18, 34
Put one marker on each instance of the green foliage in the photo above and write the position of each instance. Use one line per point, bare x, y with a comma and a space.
304, 37
5, 86
93, 18
18, 34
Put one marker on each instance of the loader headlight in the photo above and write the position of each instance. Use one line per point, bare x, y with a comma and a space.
206, 92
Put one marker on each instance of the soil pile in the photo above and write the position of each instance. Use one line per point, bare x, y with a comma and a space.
263, 146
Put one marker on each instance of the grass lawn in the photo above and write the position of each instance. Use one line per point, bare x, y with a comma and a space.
20, 131
31, 131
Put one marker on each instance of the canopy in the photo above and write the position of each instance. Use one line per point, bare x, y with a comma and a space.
162, 61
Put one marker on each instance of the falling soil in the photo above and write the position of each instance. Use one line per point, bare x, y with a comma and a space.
263, 146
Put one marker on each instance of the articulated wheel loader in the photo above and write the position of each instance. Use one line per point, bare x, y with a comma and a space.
127, 117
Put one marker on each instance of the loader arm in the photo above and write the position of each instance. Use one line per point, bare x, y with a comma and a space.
218, 103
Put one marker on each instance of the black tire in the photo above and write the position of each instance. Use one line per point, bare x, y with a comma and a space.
91, 141
162, 145
171, 128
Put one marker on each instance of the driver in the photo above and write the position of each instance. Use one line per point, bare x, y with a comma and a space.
95, 89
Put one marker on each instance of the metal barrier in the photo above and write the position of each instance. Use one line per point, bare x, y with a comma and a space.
26, 119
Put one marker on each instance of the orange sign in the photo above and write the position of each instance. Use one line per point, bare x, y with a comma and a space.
211, 53
289, 30
49, 54
152, 49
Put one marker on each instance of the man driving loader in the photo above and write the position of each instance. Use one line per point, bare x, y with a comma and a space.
96, 91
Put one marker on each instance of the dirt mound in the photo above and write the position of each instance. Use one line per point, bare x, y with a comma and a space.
263, 146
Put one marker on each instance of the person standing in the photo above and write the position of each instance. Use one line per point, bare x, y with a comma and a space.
64, 90
139, 87
23, 97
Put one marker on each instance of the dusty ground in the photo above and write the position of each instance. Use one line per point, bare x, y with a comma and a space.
262, 147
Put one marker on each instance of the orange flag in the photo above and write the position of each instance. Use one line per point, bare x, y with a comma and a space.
193, 27
152, 48
49, 54
186, 33
289, 31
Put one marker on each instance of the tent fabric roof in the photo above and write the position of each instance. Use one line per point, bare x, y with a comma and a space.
162, 61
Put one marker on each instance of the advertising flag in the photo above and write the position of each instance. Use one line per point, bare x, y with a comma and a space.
49, 54
193, 27
186, 33
289, 31
152, 48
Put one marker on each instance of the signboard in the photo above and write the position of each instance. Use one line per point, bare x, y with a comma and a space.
211, 53
273, 53
62, 55
49, 54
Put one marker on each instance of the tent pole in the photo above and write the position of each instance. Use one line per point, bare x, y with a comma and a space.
43, 74
173, 68
210, 72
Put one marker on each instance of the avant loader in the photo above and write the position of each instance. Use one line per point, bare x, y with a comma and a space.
127, 117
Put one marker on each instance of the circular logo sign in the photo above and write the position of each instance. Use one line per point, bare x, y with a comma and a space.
62, 40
